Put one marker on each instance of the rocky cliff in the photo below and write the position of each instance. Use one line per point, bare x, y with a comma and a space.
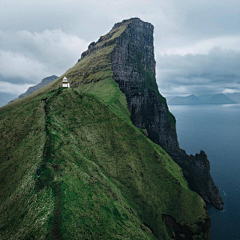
101, 176
196, 170
133, 66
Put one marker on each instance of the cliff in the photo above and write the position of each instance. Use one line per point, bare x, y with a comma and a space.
133, 67
101, 176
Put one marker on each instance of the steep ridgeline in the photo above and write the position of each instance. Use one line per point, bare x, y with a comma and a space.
133, 67
101, 176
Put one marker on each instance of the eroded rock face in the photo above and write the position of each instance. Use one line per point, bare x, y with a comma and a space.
196, 170
133, 67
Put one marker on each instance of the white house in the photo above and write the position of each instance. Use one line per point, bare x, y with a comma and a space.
65, 82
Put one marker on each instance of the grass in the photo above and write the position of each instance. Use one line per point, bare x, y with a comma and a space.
92, 68
101, 177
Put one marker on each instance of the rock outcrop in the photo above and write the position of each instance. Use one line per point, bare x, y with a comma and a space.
133, 67
101, 177
196, 170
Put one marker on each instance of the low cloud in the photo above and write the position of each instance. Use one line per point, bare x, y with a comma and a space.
13, 88
14, 65
198, 73
204, 46
32, 56
227, 90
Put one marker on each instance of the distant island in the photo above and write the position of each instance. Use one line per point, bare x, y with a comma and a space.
219, 98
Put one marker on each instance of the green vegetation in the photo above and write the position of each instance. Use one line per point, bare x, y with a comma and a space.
101, 177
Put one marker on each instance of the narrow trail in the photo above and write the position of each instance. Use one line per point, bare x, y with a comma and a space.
48, 178
57, 213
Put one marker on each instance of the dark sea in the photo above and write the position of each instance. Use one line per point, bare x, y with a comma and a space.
216, 130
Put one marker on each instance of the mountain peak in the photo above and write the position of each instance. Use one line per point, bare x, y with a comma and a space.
191, 99
134, 20
106, 149
220, 98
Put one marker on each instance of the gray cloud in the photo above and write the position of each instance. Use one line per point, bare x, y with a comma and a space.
195, 19
41, 38
13, 88
27, 57
198, 73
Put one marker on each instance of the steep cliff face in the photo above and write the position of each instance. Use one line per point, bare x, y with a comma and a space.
101, 177
133, 68
196, 170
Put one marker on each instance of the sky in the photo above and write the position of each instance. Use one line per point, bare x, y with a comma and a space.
197, 43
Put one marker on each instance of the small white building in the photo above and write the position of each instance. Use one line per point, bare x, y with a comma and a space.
65, 82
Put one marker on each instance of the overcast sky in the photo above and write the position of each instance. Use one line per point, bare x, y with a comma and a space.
197, 43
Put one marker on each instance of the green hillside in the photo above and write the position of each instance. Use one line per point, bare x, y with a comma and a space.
101, 177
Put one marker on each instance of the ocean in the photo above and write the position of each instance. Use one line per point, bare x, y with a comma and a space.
216, 130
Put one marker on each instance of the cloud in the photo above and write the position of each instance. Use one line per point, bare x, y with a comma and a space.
32, 56
198, 73
230, 90
41, 38
205, 46
20, 66
13, 88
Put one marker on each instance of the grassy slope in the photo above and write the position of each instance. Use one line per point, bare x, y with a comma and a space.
95, 67
100, 174
101, 177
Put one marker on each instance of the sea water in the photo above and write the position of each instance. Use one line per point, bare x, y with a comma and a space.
216, 130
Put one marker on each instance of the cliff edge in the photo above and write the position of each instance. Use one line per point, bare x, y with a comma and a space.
133, 66
100, 148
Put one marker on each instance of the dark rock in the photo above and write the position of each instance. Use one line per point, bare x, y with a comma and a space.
133, 67
91, 45
196, 170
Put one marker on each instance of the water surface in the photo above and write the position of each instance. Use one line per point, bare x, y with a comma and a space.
216, 130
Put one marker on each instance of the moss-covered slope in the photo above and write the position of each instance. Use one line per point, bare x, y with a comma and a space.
101, 177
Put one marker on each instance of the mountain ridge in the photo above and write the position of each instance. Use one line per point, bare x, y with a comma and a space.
234, 96
101, 176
